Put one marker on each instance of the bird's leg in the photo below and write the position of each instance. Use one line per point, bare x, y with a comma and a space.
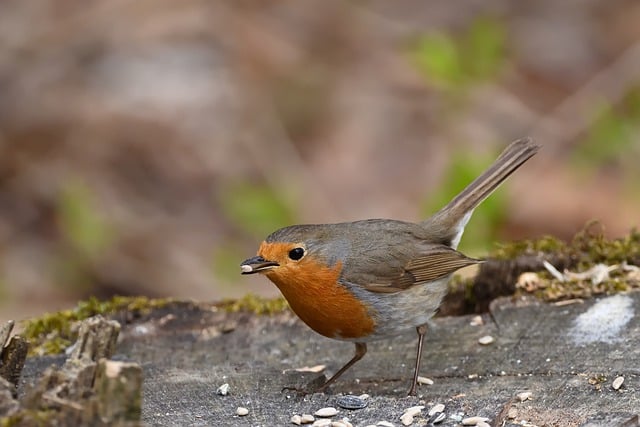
361, 350
422, 329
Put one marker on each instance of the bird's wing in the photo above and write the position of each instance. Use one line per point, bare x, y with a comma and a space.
437, 263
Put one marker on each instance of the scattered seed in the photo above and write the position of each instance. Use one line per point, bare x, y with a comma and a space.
406, 419
473, 421
617, 383
322, 422
364, 396
512, 413
223, 390
338, 424
425, 380
326, 412
472, 376
241, 412
525, 395
296, 419
435, 409
345, 422
486, 340
414, 410
437, 418
476, 321
352, 402
307, 418
483, 424
528, 281
384, 424
315, 369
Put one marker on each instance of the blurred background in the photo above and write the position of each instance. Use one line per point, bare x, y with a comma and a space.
148, 146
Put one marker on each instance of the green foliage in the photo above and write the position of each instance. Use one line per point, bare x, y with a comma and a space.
80, 220
483, 227
454, 63
611, 134
256, 209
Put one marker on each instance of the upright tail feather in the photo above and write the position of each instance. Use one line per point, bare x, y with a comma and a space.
448, 223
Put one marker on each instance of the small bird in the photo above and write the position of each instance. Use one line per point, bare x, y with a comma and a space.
366, 280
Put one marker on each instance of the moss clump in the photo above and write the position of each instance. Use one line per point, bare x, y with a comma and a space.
545, 244
53, 332
588, 253
27, 417
255, 304
588, 247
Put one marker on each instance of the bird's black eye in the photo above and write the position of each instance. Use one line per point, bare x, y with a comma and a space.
296, 253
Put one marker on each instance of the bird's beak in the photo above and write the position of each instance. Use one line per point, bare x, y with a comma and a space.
257, 264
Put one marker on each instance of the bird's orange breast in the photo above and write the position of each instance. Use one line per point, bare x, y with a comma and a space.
316, 296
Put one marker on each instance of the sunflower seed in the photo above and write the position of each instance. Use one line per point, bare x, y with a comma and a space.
296, 419
486, 340
307, 418
323, 422
384, 424
435, 409
414, 410
437, 418
406, 419
525, 395
474, 421
476, 321
617, 383
326, 412
351, 402
240, 411
425, 380
223, 390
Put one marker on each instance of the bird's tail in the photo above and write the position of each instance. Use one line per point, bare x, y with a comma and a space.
448, 223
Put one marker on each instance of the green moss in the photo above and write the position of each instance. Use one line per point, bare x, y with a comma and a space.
545, 244
29, 417
255, 304
51, 333
588, 248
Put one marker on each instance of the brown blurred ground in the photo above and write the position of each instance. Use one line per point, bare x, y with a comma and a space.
128, 127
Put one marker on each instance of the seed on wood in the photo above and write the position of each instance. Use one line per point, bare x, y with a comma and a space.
326, 412
322, 422
406, 419
439, 407
525, 395
437, 418
351, 402
425, 380
241, 412
486, 340
296, 419
414, 410
474, 421
476, 321
223, 390
307, 418
617, 383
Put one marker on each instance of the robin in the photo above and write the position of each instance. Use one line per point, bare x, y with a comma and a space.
366, 280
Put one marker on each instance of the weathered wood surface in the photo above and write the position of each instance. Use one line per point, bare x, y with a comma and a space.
566, 356
86, 389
